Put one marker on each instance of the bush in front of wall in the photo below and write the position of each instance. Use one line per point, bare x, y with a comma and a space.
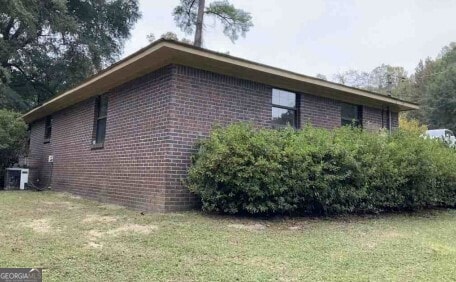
242, 169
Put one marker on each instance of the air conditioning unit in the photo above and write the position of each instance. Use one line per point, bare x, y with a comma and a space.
16, 178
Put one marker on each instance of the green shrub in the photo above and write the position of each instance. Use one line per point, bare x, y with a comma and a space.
241, 169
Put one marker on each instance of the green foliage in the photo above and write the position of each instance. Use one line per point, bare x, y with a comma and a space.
420, 79
169, 36
240, 169
235, 21
440, 100
49, 46
412, 125
378, 80
13, 132
434, 88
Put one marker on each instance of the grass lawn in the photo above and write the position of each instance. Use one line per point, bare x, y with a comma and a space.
81, 240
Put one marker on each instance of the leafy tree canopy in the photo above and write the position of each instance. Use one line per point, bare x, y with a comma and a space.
432, 86
382, 79
13, 132
235, 21
439, 101
170, 36
48, 46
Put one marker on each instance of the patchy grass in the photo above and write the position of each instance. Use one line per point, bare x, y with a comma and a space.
80, 240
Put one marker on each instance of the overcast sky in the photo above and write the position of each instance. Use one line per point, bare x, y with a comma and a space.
321, 36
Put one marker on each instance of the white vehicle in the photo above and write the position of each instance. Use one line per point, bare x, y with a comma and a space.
445, 134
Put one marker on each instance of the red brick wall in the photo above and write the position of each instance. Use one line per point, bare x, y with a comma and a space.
152, 125
201, 100
129, 170
319, 111
37, 158
378, 118
326, 113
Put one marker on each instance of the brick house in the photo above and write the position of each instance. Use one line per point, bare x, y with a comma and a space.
125, 135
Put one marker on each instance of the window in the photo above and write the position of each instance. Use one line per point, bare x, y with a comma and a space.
47, 129
29, 140
351, 115
283, 108
101, 113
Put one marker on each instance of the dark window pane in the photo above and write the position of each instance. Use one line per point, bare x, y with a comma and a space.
101, 130
349, 111
283, 117
103, 106
283, 98
48, 128
351, 115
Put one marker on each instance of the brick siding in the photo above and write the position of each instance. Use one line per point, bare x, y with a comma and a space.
201, 100
319, 111
37, 158
130, 169
378, 118
152, 125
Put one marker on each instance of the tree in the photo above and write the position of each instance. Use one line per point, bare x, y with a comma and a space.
189, 17
432, 86
419, 81
321, 76
384, 79
170, 36
437, 80
13, 132
352, 78
48, 46
440, 100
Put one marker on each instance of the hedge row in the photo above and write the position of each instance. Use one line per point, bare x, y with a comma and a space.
240, 169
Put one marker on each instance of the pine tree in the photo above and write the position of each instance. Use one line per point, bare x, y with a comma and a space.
189, 17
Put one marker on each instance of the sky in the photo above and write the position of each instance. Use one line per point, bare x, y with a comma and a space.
320, 36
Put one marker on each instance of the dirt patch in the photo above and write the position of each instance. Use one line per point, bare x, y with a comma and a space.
58, 203
40, 226
369, 245
295, 227
49, 203
61, 204
111, 206
94, 245
249, 227
391, 235
94, 218
94, 235
69, 195
133, 228
371, 241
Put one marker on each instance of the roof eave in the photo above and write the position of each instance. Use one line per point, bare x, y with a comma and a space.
165, 52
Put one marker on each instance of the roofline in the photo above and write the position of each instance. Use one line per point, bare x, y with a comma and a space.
209, 54
322, 82
281, 70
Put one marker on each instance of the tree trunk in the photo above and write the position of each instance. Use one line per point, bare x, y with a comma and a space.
199, 24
